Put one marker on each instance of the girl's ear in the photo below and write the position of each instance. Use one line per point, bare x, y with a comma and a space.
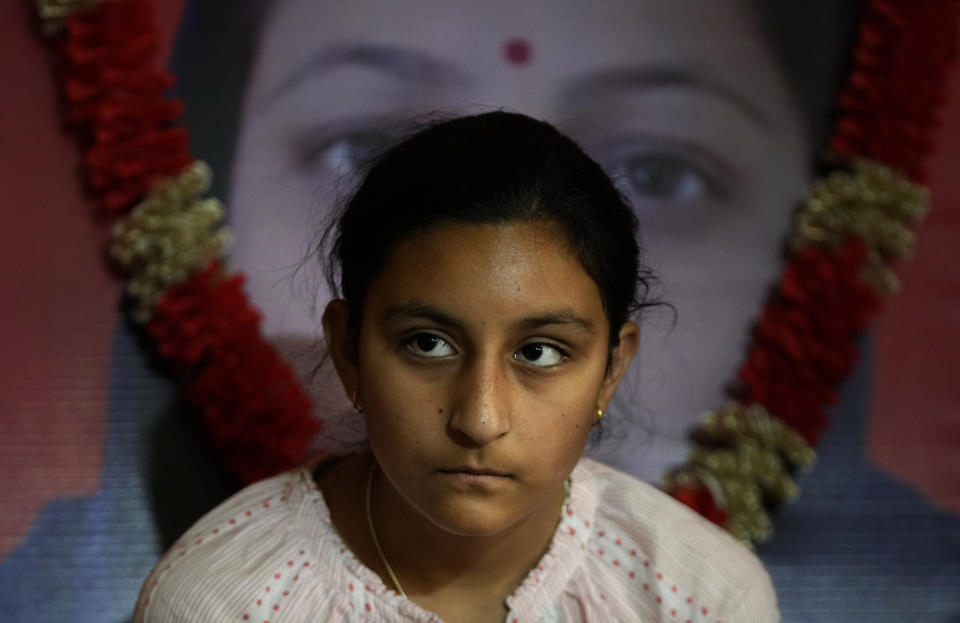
620, 359
342, 345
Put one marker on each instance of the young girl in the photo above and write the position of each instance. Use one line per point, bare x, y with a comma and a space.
487, 269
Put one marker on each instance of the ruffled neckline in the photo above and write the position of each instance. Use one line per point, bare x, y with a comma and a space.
541, 587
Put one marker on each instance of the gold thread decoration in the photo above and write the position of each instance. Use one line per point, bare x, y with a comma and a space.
54, 13
168, 236
746, 459
865, 200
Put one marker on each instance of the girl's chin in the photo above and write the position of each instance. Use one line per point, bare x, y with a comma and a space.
477, 518
472, 527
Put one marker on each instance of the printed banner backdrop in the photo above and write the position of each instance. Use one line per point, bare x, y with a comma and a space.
708, 114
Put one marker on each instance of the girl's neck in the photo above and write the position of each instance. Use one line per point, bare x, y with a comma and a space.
438, 570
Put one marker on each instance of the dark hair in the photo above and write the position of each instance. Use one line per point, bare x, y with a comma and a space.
495, 167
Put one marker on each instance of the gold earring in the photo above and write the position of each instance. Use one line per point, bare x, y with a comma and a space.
599, 414
356, 408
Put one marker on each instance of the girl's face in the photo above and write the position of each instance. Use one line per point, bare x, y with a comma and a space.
481, 363
680, 101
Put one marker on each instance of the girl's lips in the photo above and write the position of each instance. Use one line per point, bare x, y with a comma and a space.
475, 478
475, 471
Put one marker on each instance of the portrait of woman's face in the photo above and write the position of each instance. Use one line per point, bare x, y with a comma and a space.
681, 101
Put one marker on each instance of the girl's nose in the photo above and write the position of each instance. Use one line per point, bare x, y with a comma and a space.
482, 409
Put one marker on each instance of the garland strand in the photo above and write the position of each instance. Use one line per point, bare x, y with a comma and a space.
258, 416
889, 109
853, 228
113, 93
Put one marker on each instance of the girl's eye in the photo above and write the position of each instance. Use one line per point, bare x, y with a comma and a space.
429, 345
540, 355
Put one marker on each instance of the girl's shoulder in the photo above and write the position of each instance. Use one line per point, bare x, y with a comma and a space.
268, 548
657, 555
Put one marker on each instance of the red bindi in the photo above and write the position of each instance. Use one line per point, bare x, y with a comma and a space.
518, 51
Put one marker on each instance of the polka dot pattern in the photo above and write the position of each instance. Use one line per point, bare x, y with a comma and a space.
622, 556
270, 554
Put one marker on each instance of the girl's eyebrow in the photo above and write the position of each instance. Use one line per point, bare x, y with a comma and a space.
405, 65
563, 317
417, 310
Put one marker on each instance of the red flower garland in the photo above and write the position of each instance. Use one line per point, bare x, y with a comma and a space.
114, 97
889, 107
887, 112
804, 341
250, 400
257, 414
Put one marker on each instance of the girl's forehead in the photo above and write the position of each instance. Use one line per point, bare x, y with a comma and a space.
487, 270
498, 253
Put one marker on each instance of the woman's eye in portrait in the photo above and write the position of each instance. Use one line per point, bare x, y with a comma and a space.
671, 184
429, 345
668, 178
339, 147
541, 355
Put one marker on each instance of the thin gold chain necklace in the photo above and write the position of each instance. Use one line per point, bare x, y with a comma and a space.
373, 531
376, 540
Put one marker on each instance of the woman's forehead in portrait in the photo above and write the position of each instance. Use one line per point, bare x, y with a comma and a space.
567, 48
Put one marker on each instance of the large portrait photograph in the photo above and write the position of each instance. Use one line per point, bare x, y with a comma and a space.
624, 310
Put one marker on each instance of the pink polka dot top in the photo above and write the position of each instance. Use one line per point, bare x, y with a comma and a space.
623, 551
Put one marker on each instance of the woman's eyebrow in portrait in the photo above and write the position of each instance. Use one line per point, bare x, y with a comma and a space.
652, 77
405, 65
